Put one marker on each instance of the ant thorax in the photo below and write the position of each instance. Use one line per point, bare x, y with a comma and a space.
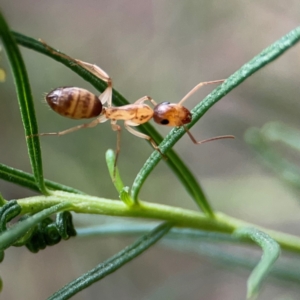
134, 114
171, 114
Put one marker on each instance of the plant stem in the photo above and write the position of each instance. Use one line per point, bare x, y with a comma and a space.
181, 217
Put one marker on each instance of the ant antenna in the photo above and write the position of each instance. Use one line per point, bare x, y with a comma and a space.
221, 137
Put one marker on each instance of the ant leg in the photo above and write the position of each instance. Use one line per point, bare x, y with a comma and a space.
56, 52
208, 140
97, 71
197, 87
144, 136
72, 129
106, 96
145, 98
116, 127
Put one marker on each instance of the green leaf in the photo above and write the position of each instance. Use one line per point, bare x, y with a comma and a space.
25, 102
288, 270
277, 131
136, 228
112, 264
2, 200
125, 197
174, 162
113, 170
286, 170
116, 179
27, 180
7, 212
12, 235
271, 251
258, 62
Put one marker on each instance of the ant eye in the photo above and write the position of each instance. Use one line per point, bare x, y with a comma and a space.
165, 103
164, 122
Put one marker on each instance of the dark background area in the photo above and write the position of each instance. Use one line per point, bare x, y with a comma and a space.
161, 49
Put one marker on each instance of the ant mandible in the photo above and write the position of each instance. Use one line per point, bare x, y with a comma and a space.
79, 103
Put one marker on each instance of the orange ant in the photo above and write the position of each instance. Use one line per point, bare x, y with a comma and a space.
78, 103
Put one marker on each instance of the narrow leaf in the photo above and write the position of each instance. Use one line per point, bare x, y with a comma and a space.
286, 170
7, 212
2, 200
258, 62
136, 228
27, 180
116, 179
277, 131
112, 264
271, 251
113, 170
25, 102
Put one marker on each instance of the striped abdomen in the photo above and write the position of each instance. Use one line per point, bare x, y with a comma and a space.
74, 103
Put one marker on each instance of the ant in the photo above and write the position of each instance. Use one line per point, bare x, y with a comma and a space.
79, 103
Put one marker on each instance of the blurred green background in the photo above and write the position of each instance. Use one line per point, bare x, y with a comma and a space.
161, 49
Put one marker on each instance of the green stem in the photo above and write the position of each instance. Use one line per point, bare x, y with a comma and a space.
181, 217
95, 205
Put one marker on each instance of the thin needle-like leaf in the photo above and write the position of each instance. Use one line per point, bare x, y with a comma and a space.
277, 131
271, 251
112, 264
258, 62
113, 170
2, 200
286, 170
25, 102
27, 180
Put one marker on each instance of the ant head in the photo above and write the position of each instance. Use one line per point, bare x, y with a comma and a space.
171, 114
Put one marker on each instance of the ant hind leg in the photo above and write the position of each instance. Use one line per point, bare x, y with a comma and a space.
144, 136
106, 96
72, 129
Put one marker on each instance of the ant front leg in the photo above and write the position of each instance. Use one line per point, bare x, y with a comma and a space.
221, 137
145, 98
197, 87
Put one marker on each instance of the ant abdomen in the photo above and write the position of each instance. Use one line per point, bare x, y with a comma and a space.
171, 114
74, 103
